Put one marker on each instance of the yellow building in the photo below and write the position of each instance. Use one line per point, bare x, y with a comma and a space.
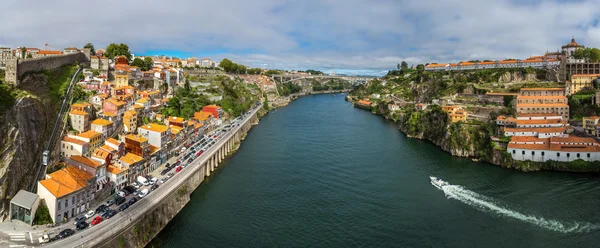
450, 109
543, 101
130, 121
79, 120
580, 81
589, 125
459, 115
121, 80
92, 137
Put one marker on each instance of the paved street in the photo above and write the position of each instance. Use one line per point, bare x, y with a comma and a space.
114, 226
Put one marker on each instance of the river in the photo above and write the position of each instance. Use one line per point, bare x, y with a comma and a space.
320, 173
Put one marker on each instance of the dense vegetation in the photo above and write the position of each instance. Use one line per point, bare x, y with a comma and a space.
144, 64
237, 98
285, 89
232, 67
590, 54
333, 84
582, 104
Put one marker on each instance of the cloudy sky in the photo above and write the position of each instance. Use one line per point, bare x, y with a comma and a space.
343, 36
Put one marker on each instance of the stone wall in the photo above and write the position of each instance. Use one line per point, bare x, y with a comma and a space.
15, 68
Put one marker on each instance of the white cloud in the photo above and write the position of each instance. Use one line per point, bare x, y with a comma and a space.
357, 35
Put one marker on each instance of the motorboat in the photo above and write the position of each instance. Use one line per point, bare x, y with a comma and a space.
438, 182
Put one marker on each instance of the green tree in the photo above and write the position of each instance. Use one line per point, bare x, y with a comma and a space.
141, 63
42, 216
79, 94
29, 56
23, 51
420, 67
114, 50
404, 66
149, 63
91, 47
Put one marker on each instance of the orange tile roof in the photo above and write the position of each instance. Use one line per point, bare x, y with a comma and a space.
198, 125
202, 115
49, 52
541, 97
528, 139
573, 139
89, 134
116, 102
131, 158
137, 106
108, 148
501, 94
363, 102
536, 89
109, 114
176, 119
467, 63
585, 75
176, 129
487, 63
435, 65
115, 170
532, 61
87, 161
538, 115
101, 153
546, 121
541, 105
113, 141
74, 141
507, 62
66, 181
529, 146
137, 138
154, 149
101, 122
78, 112
155, 127
501, 118
537, 129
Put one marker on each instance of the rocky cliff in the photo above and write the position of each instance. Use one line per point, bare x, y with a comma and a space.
24, 128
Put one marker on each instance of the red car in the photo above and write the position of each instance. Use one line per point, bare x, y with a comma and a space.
178, 169
199, 153
215, 137
97, 220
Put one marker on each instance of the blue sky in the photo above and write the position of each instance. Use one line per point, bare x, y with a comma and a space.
349, 36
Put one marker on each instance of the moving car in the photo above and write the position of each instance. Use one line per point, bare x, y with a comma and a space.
44, 239
143, 193
132, 201
96, 220
65, 233
81, 225
155, 186
123, 207
89, 214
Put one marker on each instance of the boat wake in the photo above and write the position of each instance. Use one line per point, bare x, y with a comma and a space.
488, 204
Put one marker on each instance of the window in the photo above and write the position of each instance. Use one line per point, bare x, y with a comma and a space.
543, 153
67, 203
568, 154
577, 154
588, 155
558, 154
532, 153
522, 152
59, 203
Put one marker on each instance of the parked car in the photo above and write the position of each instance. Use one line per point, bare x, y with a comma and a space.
163, 180
154, 180
100, 208
123, 207
79, 219
96, 220
136, 185
121, 193
179, 169
109, 213
143, 193
110, 203
129, 189
155, 186
89, 214
163, 172
65, 233
137, 192
199, 153
190, 160
81, 225
44, 239
120, 200
171, 174
132, 201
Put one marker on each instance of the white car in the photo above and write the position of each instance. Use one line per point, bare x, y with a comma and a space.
121, 193
153, 180
90, 214
135, 185
143, 193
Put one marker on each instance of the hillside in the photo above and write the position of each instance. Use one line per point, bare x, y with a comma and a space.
26, 117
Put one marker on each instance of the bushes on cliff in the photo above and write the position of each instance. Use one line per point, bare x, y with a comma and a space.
431, 123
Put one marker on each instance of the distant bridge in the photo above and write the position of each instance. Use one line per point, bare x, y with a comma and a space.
285, 78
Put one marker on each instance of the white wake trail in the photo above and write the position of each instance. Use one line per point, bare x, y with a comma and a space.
485, 203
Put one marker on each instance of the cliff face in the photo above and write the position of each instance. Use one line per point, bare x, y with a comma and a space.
23, 130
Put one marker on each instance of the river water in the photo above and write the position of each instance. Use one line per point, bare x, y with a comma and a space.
320, 173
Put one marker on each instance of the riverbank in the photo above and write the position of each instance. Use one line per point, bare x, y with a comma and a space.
469, 140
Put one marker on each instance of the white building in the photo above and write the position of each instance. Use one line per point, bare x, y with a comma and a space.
563, 149
157, 135
66, 193
544, 132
